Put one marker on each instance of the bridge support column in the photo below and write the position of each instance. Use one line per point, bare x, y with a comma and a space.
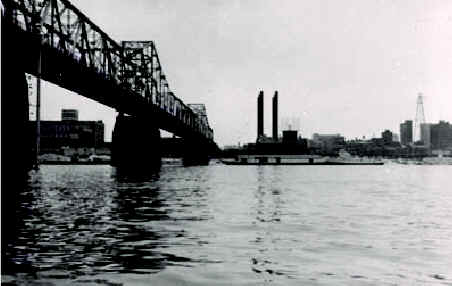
17, 146
135, 144
196, 153
18, 153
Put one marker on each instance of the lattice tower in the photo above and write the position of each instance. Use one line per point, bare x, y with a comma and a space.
420, 117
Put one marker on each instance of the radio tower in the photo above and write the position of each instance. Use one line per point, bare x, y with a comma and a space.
420, 118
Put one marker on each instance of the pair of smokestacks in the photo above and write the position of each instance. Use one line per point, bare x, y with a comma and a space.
260, 115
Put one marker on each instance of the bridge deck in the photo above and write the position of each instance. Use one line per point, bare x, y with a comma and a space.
77, 55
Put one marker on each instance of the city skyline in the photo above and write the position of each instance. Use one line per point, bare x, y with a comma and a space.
98, 112
353, 69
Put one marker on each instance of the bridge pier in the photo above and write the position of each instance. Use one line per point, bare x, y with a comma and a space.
17, 146
196, 153
135, 144
18, 153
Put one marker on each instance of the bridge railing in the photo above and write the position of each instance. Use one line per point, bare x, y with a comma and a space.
134, 65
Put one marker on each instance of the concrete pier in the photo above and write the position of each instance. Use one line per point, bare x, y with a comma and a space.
17, 139
135, 144
196, 153
17, 146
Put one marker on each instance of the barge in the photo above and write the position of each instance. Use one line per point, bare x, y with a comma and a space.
343, 159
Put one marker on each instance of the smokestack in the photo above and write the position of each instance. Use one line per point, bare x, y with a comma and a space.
260, 114
275, 116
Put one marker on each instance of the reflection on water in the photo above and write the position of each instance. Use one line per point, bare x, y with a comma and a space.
223, 225
268, 209
95, 220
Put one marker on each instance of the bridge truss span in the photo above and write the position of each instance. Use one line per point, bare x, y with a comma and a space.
146, 77
61, 26
76, 54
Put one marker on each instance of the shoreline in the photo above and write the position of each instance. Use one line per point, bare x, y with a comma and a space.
73, 163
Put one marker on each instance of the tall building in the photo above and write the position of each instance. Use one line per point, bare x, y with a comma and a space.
275, 116
426, 136
260, 115
406, 132
441, 135
69, 115
387, 137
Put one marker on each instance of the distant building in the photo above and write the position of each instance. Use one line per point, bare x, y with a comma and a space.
441, 136
406, 132
426, 136
72, 134
69, 115
375, 147
318, 137
387, 137
328, 143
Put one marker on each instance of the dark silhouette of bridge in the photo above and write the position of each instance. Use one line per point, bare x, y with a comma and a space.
53, 40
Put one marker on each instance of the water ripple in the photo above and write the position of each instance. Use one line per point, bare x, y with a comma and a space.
221, 225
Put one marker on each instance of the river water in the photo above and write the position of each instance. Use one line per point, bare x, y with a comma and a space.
234, 225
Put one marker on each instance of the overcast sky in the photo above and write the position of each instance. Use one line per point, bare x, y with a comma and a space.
349, 67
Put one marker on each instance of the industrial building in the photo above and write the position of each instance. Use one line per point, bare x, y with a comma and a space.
69, 133
69, 115
327, 143
260, 115
275, 117
289, 143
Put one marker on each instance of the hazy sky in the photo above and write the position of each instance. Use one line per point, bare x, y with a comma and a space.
349, 67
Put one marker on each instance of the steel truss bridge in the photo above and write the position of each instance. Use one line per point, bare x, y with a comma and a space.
55, 41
